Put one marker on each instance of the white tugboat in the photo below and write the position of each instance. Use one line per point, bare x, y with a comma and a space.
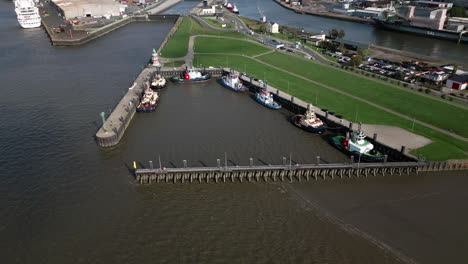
358, 146
148, 102
158, 82
265, 98
309, 122
192, 75
231, 81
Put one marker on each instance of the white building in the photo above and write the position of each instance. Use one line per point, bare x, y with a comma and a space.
87, 8
458, 82
272, 27
208, 11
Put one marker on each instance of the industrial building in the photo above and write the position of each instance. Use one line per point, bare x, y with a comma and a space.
87, 8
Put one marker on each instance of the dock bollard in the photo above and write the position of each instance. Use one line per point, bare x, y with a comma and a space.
284, 161
151, 164
251, 162
218, 162
185, 163
318, 160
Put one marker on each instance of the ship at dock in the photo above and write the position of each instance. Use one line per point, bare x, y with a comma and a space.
425, 18
27, 13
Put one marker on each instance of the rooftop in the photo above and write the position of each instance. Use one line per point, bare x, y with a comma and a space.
460, 78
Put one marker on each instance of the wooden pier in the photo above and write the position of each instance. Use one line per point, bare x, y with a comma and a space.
283, 173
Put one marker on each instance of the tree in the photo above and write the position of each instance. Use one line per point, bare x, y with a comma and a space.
454, 70
341, 34
333, 33
457, 11
356, 60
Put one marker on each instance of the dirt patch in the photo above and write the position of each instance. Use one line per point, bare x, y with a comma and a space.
396, 137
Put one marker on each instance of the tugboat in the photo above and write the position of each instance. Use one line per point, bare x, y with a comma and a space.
231, 7
148, 102
158, 82
357, 146
192, 75
309, 122
232, 81
265, 98
235, 10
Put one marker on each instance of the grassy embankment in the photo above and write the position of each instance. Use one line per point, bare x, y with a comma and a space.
218, 24
312, 86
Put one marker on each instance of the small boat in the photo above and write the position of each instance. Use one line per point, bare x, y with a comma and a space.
358, 146
148, 102
309, 122
158, 82
265, 98
232, 81
235, 10
192, 75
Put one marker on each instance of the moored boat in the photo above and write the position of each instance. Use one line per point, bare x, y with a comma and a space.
27, 13
309, 122
358, 146
192, 75
235, 10
158, 82
148, 102
231, 80
265, 98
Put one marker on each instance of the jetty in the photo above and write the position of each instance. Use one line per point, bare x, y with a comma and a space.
114, 126
286, 172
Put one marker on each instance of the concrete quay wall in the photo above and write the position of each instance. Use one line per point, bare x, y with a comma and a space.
113, 129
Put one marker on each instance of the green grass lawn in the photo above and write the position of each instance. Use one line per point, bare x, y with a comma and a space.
177, 45
227, 45
425, 108
197, 29
217, 24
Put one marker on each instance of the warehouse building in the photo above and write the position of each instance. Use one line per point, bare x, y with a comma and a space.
87, 8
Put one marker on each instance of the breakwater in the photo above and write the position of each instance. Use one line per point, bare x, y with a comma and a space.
113, 127
284, 172
327, 14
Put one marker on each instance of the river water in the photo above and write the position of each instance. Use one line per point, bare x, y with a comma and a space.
65, 200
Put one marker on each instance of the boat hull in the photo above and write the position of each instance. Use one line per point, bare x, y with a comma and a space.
225, 84
317, 130
146, 109
158, 86
179, 79
274, 106
364, 157
428, 32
